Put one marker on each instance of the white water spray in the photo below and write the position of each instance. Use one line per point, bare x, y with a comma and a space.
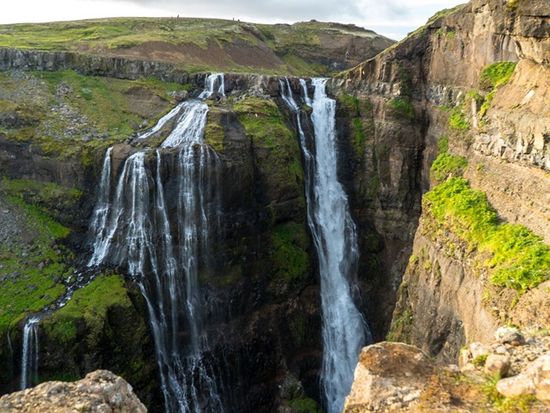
335, 239
162, 249
29, 358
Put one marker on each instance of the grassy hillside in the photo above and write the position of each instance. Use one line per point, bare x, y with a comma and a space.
207, 44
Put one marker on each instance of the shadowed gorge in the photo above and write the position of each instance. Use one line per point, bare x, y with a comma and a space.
189, 204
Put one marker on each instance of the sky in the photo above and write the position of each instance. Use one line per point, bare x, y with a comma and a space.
392, 18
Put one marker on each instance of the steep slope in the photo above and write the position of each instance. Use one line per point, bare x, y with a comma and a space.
197, 45
439, 85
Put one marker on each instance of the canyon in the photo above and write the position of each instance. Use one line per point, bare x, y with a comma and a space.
439, 161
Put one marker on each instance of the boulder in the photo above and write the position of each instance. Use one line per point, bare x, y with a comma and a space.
535, 380
497, 364
388, 376
99, 392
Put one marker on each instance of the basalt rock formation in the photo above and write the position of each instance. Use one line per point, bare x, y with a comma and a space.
455, 111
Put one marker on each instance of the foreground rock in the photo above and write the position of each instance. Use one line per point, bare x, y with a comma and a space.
100, 391
397, 377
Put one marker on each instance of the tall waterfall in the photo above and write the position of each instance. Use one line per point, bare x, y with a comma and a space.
29, 359
163, 245
335, 240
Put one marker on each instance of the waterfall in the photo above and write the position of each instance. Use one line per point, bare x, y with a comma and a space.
29, 356
334, 236
213, 80
163, 246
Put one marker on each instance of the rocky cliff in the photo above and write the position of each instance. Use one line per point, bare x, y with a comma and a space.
470, 89
474, 81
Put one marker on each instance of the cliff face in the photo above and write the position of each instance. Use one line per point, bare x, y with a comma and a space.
432, 95
474, 79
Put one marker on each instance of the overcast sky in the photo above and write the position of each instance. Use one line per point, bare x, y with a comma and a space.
392, 18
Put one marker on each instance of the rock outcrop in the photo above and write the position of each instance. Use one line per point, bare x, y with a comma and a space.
396, 377
99, 392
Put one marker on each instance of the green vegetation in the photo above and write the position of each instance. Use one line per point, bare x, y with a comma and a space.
458, 120
90, 304
446, 165
401, 325
492, 77
71, 115
290, 258
402, 107
501, 404
362, 122
31, 271
276, 145
263, 121
480, 360
304, 405
214, 133
496, 74
49, 196
189, 42
518, 259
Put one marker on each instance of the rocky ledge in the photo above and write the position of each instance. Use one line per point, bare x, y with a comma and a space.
510, 374
99, 392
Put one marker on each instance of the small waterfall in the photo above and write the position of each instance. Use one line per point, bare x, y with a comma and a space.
164, 247
334, 235
29, 356
213, 80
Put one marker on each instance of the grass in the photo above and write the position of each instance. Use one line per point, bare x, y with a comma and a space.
116, 35
55, 199
89, 114
91, 304
290, 259
30, 273
518, 259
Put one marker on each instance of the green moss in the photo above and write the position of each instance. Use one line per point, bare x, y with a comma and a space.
496, 74
290, 258
402, 107
304, 405
90, 304
48, 196
214, 134
276, 145
262, 121
31, 272
519, 258
458, 119
362, 122
400, 326
446, 165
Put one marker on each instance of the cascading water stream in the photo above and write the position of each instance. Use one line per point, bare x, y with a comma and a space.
162, 247
29, 359
334, 235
